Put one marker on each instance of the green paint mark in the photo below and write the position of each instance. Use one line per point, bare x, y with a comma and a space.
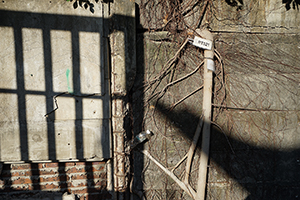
68, 81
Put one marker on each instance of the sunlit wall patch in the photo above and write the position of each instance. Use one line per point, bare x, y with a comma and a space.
62, 65
8, 76
33, 56
90, 68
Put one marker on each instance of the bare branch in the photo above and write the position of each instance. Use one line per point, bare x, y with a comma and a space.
192, 150
186, 187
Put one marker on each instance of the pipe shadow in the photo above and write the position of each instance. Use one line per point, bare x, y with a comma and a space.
136, 99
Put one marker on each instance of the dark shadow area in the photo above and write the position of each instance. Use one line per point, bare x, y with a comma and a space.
136, 99
236, 3
291, 4
19, 91
86, 4
264, 173
35, 176
62, 177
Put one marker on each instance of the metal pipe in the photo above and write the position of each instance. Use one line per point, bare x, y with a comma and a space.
206, 109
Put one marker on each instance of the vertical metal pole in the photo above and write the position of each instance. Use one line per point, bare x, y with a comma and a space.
206, 108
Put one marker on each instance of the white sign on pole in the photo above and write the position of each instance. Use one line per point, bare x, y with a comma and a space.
202, 43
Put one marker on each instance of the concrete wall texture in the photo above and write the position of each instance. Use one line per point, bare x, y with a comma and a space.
50, 49
55, 110
255, 141
54, 82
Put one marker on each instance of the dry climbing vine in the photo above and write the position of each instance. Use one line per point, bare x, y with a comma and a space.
251, 74
182, 70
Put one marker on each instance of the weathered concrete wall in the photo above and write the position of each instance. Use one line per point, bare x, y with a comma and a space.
57, 84
255, 16
229, 15
173, 127
55, 101
262, 74
54, 81
123, 67
257, 155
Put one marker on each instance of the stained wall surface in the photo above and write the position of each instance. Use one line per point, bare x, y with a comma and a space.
254, 146
53, 82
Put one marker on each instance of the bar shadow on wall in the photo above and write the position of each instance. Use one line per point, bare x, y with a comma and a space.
73, 24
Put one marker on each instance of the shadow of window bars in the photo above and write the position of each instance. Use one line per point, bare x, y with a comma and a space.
47, 23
